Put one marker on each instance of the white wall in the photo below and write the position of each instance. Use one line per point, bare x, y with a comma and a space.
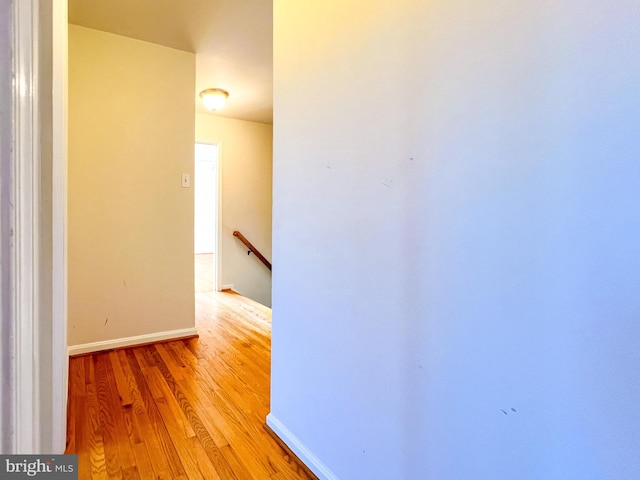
131, 131
246, 163
456, 233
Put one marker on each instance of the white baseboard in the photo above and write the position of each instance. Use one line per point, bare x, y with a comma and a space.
131, 341
227, 287
300, 449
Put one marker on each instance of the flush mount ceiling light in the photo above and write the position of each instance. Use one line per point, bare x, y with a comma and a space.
214, 98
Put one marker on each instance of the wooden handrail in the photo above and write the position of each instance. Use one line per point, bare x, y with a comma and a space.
252, 249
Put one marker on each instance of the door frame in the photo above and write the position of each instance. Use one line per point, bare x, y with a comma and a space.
217, 173
33, 176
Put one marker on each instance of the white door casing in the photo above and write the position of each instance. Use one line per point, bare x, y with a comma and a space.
33, 212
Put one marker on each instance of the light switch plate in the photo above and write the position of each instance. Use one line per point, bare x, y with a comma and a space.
186, 180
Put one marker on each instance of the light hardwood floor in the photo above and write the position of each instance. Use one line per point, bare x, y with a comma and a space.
187, 409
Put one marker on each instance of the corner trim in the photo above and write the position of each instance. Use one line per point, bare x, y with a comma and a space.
300, 449
132, 341
60, 95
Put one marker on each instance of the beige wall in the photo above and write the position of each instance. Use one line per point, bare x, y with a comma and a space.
131, 132
246, 152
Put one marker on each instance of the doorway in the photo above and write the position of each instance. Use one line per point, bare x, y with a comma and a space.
206, 234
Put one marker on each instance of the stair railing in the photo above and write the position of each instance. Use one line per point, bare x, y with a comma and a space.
253, 249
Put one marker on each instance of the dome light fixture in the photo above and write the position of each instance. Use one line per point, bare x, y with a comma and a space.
214, 98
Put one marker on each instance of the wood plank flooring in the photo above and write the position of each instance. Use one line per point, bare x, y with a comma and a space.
187, 409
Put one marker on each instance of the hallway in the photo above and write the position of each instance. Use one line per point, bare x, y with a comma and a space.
186, 409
